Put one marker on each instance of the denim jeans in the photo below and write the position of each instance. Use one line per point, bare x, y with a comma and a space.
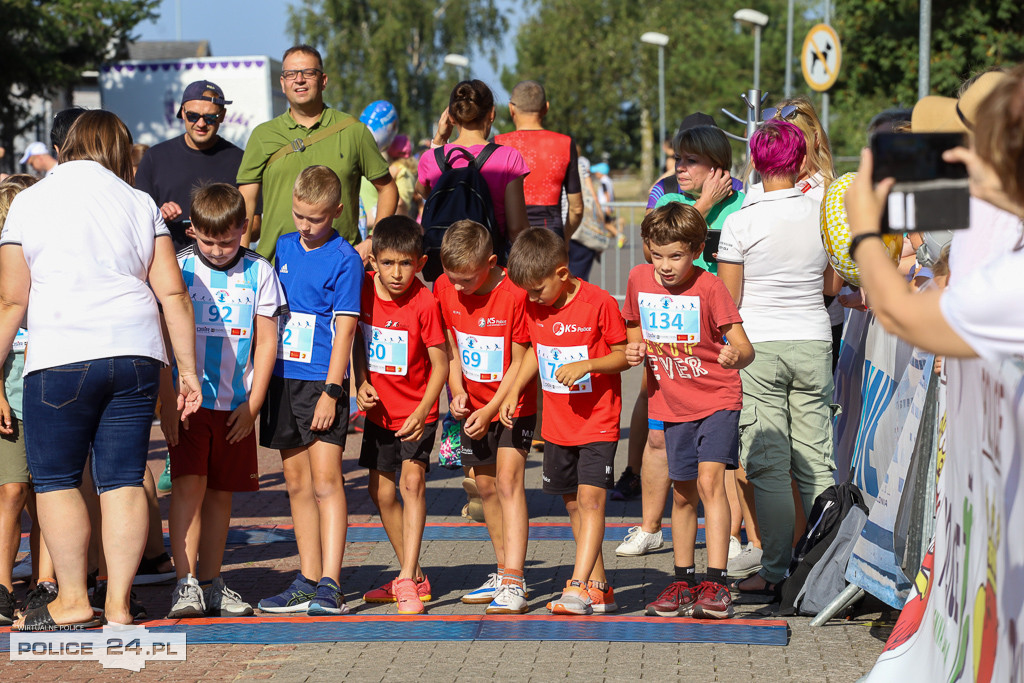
106, 404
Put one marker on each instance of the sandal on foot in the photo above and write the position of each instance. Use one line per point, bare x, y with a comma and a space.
768, 590
40, 620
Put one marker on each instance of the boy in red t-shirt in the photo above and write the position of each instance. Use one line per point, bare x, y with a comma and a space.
676, 315
401, 365
486, 327
579, 341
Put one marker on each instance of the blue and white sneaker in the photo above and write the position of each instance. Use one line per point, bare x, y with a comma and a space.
329, 600
511, 599
485, 593
295, 598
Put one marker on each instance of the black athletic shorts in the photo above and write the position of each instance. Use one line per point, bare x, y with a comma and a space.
485, 451
568, 467
288, 413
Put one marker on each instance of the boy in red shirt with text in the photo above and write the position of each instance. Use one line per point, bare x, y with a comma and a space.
579, 341
676, 316
487, 335
401, 365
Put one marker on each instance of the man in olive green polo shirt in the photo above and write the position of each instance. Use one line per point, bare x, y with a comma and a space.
352, 153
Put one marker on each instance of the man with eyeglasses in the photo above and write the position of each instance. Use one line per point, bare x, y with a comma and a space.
170, 170
310, 133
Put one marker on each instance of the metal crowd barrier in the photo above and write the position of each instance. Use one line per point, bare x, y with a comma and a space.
611, 270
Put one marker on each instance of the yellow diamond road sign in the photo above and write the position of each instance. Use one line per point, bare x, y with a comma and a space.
821, 57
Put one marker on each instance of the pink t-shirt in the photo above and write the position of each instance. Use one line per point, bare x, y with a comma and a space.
504, 166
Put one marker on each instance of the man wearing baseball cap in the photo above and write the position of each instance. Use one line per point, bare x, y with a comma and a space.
38, 158
170, 170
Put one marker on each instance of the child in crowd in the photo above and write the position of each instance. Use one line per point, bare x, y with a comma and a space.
579, 341
236, 296
306, 412
401, 365
676, 316
488, 338
14, 476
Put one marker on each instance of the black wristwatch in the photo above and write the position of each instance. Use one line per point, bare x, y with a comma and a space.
855, 242
333, 390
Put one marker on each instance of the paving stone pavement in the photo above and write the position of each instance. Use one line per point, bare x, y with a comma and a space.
843, 650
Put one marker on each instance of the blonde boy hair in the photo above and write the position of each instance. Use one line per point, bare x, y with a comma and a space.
9, 188
536, 254
466, 245
319, 186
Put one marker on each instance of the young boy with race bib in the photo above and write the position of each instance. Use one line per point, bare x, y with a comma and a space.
401, 365
236, 296
306, 413
579, 341
676, 316
486, 328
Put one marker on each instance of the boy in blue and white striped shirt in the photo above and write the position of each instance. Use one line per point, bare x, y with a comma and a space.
236, 297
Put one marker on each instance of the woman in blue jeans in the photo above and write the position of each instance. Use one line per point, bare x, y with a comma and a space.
97, 257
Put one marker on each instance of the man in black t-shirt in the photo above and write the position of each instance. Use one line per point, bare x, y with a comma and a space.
170, 170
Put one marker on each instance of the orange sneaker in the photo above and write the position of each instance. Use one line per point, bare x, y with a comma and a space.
407, 597
386, 593
602, 601
574, 601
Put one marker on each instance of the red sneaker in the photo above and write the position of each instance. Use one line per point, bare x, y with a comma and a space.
675, 601
407, 597
386, 593
713, 601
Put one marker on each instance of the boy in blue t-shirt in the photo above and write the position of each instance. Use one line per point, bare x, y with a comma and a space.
306, 414
236, 296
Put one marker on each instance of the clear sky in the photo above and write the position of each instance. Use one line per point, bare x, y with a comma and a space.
259, 27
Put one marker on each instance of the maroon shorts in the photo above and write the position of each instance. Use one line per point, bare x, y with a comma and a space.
203, 450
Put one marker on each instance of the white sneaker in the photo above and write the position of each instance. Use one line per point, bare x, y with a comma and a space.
639, 542
221, 601
745, 564
735, 547
485, 593
510, 599
187, 600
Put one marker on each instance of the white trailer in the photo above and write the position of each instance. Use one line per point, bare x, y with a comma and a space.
146, 94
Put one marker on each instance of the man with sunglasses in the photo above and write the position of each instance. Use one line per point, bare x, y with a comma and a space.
170, 170
310, 133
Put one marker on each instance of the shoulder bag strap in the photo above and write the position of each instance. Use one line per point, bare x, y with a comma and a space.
299, 144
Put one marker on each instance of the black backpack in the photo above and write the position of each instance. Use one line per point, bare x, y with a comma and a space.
460, 193
828, 512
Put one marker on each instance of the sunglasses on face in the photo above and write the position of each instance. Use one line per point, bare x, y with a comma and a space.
784, 113
193, 117
292, 74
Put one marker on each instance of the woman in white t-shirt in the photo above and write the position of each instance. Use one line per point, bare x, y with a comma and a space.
772, 261
97, 257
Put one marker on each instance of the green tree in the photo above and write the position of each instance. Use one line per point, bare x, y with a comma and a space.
46, 44
394, 50
880, 62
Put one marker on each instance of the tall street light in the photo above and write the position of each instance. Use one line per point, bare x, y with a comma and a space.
661, 40
751, 17
460, 62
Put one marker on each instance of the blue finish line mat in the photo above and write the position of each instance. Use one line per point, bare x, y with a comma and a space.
355, 629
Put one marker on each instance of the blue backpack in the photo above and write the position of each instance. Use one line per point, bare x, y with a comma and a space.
459, 194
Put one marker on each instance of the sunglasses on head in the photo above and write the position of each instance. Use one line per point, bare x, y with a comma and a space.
784, 113
193, 117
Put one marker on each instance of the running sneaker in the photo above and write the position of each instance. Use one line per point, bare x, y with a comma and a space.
329, 599
747, 563
628, 485
186, 600
510, 599
639, 542
575, 600
149, 571
6, 606
602, 601
43, 594
713, 601
386, 592
98, 601
675, 601
221, 601
163, 484
485, 593
407, 596
735, 547
294, 598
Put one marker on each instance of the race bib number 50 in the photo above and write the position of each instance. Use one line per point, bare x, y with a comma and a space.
670, 318
387, 351
550, 358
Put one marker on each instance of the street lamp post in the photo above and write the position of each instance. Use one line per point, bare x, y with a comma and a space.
661, 40
460, 62
751, 17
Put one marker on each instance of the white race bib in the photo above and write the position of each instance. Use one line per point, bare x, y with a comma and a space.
483, 358
550, 358
20, 341
670, 318
295, 338
227, 314
387, 351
